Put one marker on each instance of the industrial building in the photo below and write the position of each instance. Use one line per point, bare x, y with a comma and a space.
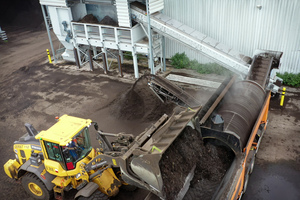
227, 32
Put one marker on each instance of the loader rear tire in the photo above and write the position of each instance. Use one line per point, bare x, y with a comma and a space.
97, 195
35, 187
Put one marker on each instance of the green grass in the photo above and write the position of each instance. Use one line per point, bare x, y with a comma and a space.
180, 60
290, 79
128, 56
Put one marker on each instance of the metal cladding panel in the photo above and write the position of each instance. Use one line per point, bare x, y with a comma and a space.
123, 13
53, 2
155, 5
243, 25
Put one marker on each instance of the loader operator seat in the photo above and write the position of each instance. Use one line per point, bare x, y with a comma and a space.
75, 149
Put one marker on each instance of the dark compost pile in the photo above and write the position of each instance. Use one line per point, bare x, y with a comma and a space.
90, 18
108, 21
187, 151
139, 102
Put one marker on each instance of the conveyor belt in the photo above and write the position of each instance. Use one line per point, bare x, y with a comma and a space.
260, 70
175, 30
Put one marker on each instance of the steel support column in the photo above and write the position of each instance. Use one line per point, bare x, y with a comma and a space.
122, 56
135, 65
91, 60
76, 58
105, 61
164, 52
48, 31
95, 51
151, 63
120, 65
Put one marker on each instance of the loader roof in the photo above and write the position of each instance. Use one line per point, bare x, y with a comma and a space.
64, 130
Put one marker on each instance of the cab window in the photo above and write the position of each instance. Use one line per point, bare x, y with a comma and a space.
77, 149
53, 151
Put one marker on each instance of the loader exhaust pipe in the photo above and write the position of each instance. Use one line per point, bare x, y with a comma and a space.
31, 130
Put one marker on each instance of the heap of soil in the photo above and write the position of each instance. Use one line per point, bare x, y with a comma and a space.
89, 19
139, 102
188, 150
108, 21
20, 13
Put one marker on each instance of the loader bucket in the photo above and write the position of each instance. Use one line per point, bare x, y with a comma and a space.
151, 162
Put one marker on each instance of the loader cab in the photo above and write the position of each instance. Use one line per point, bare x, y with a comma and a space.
65, 144
72, 152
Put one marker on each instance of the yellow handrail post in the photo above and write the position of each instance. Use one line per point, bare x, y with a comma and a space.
49, 57
282, 96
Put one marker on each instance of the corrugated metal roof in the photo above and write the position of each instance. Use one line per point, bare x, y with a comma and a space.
54, 2
245, 25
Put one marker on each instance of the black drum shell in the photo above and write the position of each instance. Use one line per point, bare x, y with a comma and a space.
240, 108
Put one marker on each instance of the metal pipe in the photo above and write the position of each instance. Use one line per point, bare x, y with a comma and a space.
105, 140
48, 31
98, 165
151, 64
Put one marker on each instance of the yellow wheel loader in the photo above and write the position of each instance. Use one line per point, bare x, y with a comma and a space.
54, 161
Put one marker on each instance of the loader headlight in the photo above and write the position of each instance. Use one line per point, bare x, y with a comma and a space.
78, 176
17, 157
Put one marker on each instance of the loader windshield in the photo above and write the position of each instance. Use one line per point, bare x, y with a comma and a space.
77, 149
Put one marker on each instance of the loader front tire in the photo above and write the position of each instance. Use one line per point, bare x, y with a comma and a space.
35, 187
97, 195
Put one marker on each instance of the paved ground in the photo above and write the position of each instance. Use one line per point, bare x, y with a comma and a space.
31, 91
276, 173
